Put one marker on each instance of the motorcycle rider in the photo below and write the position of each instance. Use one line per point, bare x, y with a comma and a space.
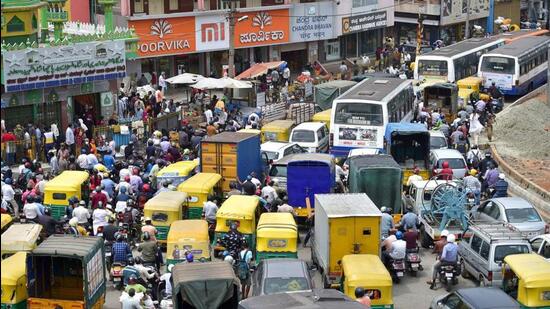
409, 220
110, 230
48, 223
8, 195
148, 249
501, 186
472, 184
233, 240
121, 250
386, 222
75, 229
133, 284
82, 214
484, 164
490, 178
398, 247
146, 273
149, 228
129, 270
446, 172
449, 256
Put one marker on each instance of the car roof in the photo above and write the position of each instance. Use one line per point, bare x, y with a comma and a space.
512, 202
274, 146
447, 153
487, 298
309, 126
275, 268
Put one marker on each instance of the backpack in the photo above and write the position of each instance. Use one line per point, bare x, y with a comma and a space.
127, 217
243, 269
475, 160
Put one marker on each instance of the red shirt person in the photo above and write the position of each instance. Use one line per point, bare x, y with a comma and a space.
98, 197
446, 172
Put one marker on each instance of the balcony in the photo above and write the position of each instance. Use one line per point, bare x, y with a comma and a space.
57, 16
428, 7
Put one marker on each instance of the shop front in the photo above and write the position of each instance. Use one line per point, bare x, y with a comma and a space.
454, 15
363, 33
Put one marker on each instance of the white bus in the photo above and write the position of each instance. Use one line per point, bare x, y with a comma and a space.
518, 67
454, 62
360, 115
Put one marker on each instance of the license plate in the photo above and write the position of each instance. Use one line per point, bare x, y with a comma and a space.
399, 274
414, 267
116, 279
448, 275
108, 254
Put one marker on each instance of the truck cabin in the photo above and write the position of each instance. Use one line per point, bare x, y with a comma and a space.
408, 144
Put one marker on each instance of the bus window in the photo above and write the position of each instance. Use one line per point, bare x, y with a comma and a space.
432, 67
498, 65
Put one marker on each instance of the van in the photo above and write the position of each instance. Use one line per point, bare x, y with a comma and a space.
453, 157
483, 249
438, 140
276, 150
312, 136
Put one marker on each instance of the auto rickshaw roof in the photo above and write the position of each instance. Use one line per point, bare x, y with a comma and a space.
239, 207
273, 218
181, 167
67, 181
531, 268
167, 201
193, 228
13, 268
450, 86
6, 219
365, 270
277, 224
68, 246
468, 81
200, 183
21, 237
278, 125
347, 205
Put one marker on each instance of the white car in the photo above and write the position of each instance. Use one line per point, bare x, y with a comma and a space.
541, 245
453, 157
513, 210
438, 140
277, 150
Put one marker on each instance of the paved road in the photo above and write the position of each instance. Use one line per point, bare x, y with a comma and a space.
412, 292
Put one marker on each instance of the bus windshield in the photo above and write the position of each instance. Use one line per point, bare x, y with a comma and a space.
495, 64
432, 67
359, 114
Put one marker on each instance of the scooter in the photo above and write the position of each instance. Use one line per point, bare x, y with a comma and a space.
116, 275
448, 275
397, 269
412, 262
497, 104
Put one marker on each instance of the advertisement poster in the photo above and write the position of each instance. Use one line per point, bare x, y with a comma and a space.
165, 36
311, 22
357, 136
455, 11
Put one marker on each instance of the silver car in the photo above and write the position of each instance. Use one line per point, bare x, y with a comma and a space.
514, 210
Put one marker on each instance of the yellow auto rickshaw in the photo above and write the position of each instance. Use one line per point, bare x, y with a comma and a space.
20, 237
276, 236
243, 210
442, 96
6, 221
323, 117
526, 277
367, 271
198, 188
188, 236
468, 89
163, 209
177, 173
14, 281
59, 190
277, 131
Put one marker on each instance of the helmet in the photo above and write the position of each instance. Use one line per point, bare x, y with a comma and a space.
399, 235
444, 233
170, 267
119, 237
138, 260
501, 176
229, 259
73, 222
82, 203
130, 202
189, 257
8, 181
473, 172
73, 200
445, 164
27, 164
359, 292
384, 209
131, 261
133, 278
30, 198
146, 187
122, 189
146, 236
83, 151
38, 199
451, 238
98, 189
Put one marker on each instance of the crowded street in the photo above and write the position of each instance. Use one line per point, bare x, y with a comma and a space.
275, 154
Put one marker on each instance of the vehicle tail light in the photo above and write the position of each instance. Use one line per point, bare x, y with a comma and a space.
490, 276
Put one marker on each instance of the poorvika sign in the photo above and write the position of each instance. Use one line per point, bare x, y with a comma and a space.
36, 68
165, 36
364, 22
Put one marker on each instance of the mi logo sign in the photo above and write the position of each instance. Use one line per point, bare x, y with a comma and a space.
212, 34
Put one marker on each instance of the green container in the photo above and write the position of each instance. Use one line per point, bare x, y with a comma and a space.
194, 213
58, 211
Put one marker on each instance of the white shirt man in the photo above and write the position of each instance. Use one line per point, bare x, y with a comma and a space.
398, 249
69, 136
209, 210
123, 183
208, 115
270, 193
82, 161
82, 214
100, 217
31, 211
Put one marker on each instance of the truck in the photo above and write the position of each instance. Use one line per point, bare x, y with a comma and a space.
379, 176
308, 174
68, 272
344, 224
233, 155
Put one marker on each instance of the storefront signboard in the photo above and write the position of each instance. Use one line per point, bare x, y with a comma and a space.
212, 32
453, 11
311, 22
37, 68
165, 36
364, 22
260, 99
262, 28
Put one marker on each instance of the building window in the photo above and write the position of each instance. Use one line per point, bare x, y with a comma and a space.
361, 3
34, 22
15, 25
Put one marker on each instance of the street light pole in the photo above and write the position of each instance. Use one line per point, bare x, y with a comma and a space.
231, 19
548, 80
467, 30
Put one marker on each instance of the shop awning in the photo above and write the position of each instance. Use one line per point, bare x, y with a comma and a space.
259, 69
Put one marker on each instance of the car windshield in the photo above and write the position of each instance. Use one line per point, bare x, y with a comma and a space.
437, 142
281, 285
520, 215
503, 250
271, 155
359, 114
278, 171
303, 136
495, 64
453, 163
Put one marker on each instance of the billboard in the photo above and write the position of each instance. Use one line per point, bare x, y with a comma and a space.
165, 36
364, 22
262, 28
455, 11
311, 22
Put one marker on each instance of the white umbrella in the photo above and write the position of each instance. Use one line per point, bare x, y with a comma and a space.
185, 78
236, 84
142, 91
210, 83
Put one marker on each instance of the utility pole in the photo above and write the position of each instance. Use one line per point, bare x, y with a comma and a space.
467, 30
548, 80
232, 22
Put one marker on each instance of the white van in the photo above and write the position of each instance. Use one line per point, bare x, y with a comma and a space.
312, 136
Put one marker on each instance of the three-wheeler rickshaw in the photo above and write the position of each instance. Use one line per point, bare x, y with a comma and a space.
276, 236
6, 220
163, 209
177, 173
14, 281
277, 131
526, 277
367, 271
59, 190
187, 236
20, 238
198, 188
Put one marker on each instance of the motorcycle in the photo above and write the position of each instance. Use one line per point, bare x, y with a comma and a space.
497, 104
108, 253
448, 275
397, 269
412, 262
116, 275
